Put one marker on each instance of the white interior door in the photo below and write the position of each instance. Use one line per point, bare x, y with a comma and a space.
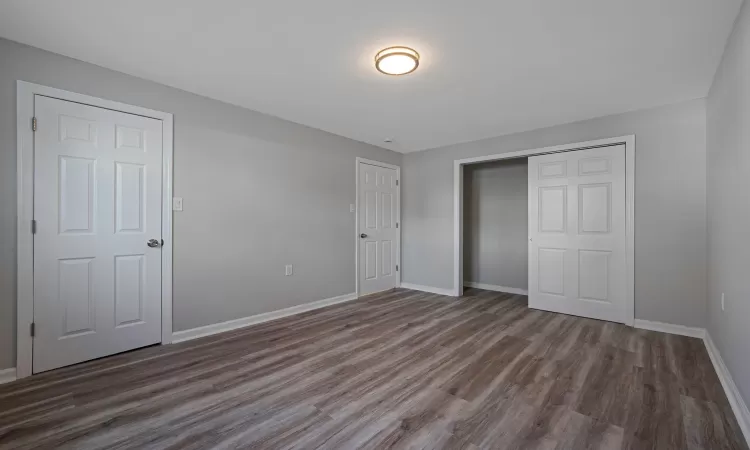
577, 241
97, 201
378, 215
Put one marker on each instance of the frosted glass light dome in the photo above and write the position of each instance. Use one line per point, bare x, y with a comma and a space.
397, 60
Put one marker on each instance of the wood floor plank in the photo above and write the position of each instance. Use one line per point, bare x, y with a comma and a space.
399, 369
706, 426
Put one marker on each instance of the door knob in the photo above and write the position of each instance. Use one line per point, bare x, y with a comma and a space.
153, 243
363, 235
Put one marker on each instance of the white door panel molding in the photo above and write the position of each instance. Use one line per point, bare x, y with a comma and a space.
94, 228
577, 238
378, 228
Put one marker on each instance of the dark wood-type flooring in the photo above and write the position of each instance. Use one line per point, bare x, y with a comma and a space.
402, 369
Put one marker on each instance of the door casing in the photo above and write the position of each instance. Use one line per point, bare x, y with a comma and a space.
25, 190
356, 220
458, 207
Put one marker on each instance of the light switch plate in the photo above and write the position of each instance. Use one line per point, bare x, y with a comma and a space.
177, 204
351, 207
289, 270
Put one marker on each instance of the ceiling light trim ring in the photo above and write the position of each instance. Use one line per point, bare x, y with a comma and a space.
407, 51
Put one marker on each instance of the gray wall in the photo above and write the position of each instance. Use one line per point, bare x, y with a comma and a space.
259, 193
670, 208
729, 205
496, 222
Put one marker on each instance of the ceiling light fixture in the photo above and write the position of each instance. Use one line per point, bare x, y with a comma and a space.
397, 60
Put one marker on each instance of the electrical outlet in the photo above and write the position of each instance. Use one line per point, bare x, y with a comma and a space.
177, 204
289, 270
722, 301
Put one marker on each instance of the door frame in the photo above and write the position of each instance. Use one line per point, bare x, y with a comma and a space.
458, 207
356, 219
25, 93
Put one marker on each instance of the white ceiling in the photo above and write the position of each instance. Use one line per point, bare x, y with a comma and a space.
489, 67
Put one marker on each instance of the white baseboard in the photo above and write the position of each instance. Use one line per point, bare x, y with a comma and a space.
430, 289
670, 328
7, 375
739, 407
208, 330
492, 287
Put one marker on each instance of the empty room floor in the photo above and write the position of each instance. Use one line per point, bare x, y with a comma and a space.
399, 369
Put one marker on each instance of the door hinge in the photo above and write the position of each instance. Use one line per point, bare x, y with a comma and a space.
33, 226
396, 224
33, 124
396, 182
396, 267
32, 329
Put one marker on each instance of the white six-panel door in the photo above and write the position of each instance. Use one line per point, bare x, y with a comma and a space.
378, 241
97, 201
577, 240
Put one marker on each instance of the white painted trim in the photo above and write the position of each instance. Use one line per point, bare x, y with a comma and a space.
208, 330
166, 228
458, 229
7, 375
493, 287
25, 240
25, 93
430, 289
356, 219
628, 141
739, 407
670, 328
630, 227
